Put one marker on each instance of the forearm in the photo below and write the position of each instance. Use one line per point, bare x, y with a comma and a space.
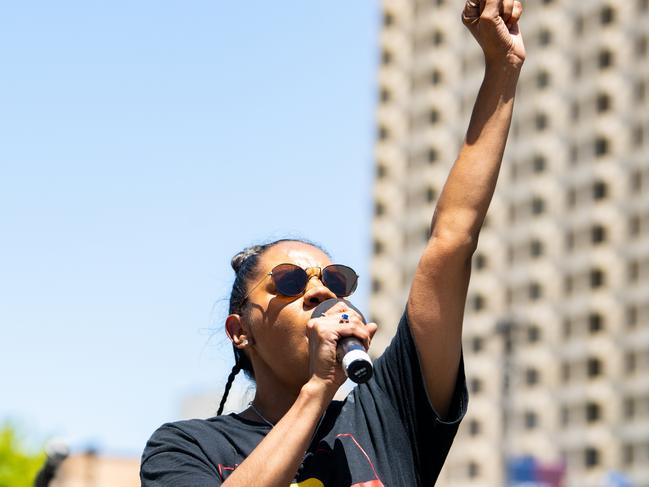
276, 459
468, 190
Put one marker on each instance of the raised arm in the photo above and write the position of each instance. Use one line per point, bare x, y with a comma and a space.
438, 294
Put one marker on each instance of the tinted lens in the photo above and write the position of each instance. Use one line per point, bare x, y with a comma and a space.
289, 279
340, 279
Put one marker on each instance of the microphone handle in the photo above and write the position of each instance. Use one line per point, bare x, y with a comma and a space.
355, 360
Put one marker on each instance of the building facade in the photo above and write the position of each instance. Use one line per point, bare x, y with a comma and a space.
556, 333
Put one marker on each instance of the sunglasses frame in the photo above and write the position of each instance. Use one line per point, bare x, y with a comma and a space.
319, 275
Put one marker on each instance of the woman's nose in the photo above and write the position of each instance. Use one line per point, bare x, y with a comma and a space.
316, 293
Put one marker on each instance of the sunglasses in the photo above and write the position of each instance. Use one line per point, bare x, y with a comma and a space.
291, 280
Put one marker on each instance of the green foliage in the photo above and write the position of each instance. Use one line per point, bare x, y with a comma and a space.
18, 465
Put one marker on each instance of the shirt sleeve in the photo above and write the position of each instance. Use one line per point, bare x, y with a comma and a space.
397, 373
172, 458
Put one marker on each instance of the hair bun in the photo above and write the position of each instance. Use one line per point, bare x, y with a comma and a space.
238, 260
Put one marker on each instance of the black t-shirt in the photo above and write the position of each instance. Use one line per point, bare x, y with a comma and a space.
384, 433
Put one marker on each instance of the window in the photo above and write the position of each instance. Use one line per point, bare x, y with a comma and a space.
602, 146
629, 407
432, 155
536, 248
630, 363
641, 46
541, 121
639, 91
591, 457
388, 19
431, 194
438, 38
636, 181
436, 77
574, 110
381, 171
473, 470
478, 302
433, 117
634, 225
545, 37
386, 57
480, 261
568, 284
633, 271
594, 367
577, 68
474, 427
597, 234
379, 209
564, 416
637, 135
607, 15
605, 59
533, 334
593, 412
600, 190
378, 247
538, 205
531, 376
531, 420
535, 291
579, 25
595, 323
475, 385
566, 372
603, 102
376, 286
597, 278
477, 344
542, 79
385, 95
627, 454
384, 133
538, 164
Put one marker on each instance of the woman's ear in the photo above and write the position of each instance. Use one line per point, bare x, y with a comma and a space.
236, 331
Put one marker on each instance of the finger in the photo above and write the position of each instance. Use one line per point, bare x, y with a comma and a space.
337, 309
517, 11
507, 8
471, 12
360, 332
490, 8
371, 328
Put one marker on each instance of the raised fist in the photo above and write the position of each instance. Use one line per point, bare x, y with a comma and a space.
494, 24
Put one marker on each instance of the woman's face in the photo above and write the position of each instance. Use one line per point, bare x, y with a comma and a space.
277, 323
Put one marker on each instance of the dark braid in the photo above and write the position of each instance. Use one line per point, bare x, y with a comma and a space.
245, 265
228, 385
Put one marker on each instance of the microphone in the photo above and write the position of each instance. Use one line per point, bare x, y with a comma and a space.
350, 351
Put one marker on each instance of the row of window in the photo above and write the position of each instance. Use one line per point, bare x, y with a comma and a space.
575, 239
589, 412
574, 327
575, 415
589, 368
581, 281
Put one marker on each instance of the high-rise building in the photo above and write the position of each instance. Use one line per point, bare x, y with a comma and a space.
556, 333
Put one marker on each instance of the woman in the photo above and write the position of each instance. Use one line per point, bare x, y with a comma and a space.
396, 429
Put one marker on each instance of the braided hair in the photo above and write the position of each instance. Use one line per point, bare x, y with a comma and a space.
245, 265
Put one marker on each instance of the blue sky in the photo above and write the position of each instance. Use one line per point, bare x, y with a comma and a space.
142, 145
